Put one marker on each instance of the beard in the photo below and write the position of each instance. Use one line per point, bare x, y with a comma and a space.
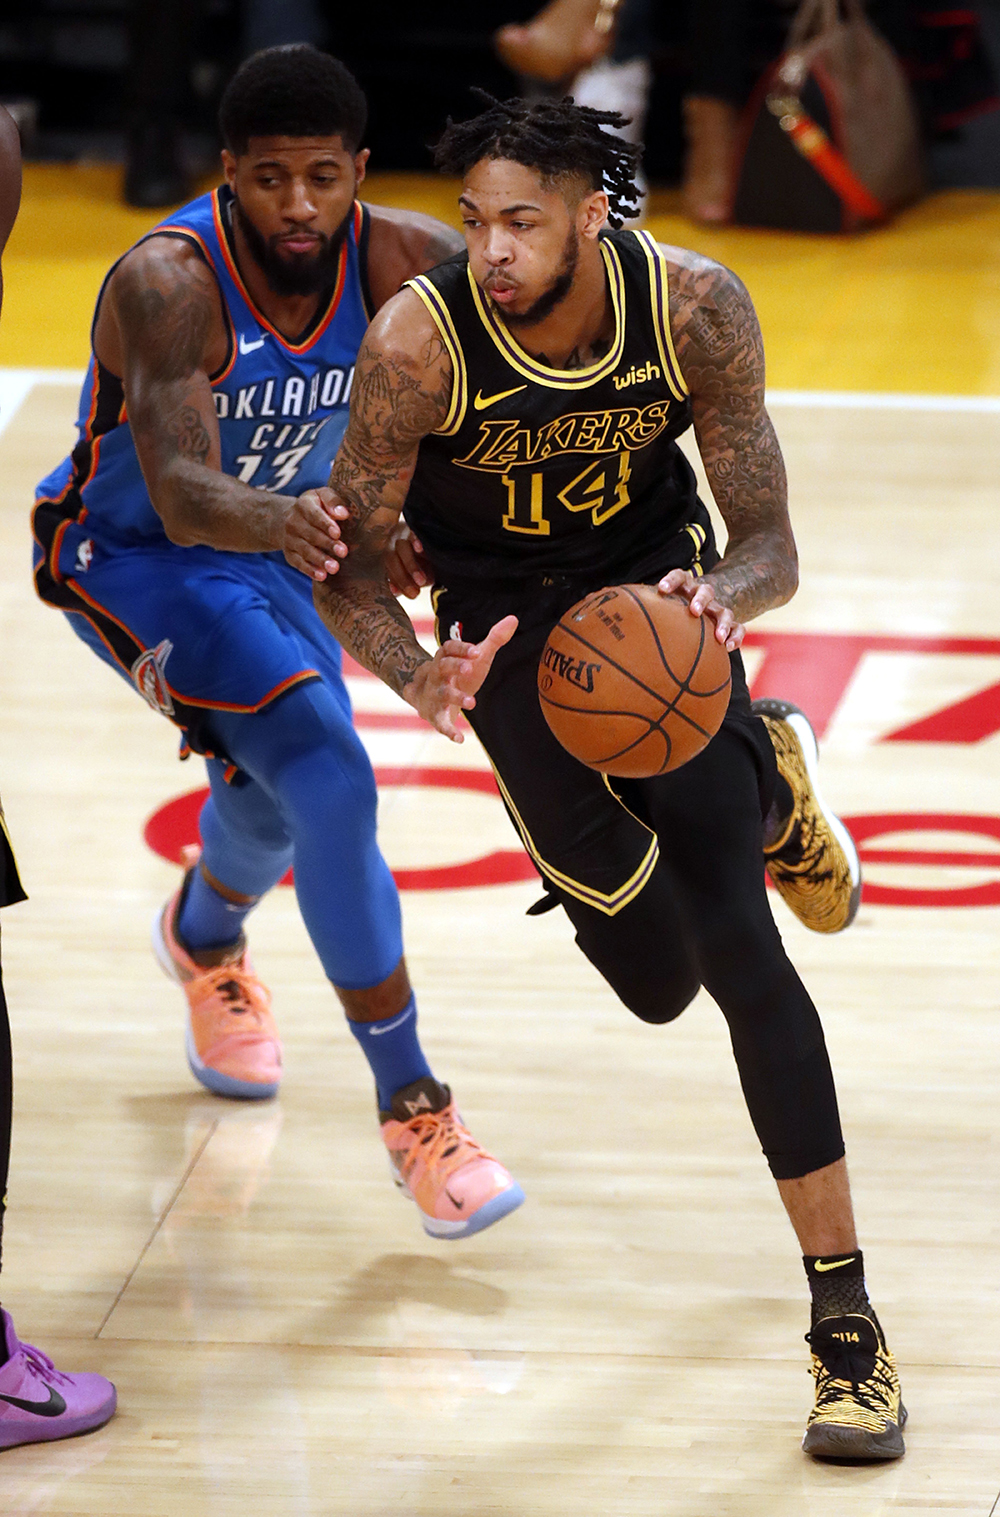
297, 273
556, 292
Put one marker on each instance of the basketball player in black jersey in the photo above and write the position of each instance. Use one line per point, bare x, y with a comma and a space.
521, 404
38, 1403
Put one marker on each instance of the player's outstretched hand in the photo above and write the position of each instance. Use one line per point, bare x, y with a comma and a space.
405, 564
447, 683
312, 533
700, 596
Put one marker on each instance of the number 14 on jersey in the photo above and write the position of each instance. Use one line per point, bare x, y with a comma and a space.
601, 488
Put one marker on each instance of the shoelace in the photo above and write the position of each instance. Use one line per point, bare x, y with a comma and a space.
876, 1391
444, 1139
41, 1365
239, 990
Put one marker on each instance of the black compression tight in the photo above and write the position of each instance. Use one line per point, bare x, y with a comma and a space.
704, 919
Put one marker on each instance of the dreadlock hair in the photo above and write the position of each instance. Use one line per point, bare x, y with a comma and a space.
293, 91
557, 137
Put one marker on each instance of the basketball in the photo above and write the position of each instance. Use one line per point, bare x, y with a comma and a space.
631, 683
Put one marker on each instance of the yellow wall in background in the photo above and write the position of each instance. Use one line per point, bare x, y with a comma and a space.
913, 307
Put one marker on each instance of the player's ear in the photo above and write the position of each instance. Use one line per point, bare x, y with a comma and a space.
361, 163
592, 213
229, 167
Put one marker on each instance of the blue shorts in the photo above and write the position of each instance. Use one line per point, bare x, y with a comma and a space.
193, 629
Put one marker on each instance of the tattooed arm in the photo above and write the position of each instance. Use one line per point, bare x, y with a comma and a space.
161, 329
718, 344
402, 389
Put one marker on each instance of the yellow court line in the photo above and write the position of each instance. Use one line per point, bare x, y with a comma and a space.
837, 313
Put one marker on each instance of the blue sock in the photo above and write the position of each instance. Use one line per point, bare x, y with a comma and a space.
393, 1051
206, 919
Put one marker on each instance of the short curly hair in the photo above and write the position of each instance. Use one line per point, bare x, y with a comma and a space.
294, 91
559, 138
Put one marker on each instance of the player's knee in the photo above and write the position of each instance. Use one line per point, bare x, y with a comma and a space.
240, 814
658, 1003
653, 988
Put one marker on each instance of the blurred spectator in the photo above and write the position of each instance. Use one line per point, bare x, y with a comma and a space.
272, 23
161, 42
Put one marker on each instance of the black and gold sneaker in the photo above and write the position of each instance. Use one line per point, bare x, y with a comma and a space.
858, 1412
812, 861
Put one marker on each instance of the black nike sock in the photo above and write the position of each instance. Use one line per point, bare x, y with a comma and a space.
837, 1283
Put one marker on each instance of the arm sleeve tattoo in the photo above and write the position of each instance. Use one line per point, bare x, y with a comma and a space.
719, 348
398, 398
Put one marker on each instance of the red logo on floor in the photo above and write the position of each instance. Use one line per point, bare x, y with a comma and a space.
813, 669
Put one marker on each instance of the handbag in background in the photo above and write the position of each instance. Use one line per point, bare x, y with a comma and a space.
830, 141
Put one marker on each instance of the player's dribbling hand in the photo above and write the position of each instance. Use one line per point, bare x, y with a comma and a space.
447, 683
700, 596
405, 564
311, 540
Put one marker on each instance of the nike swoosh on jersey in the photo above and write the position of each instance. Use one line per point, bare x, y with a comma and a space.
54, 1407
483, 402
837, 1264
250, 347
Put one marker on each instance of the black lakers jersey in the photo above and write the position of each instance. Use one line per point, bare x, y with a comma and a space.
559, 471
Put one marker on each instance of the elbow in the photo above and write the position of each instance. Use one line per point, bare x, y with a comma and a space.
179, 530
790, 578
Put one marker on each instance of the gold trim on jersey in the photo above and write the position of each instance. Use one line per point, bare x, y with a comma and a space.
441, 317
659, 296
611, 904
698, 535
436, 595
540, 374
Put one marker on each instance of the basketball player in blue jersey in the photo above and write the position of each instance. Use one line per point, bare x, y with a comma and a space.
38, 1403
521, 404
223, 358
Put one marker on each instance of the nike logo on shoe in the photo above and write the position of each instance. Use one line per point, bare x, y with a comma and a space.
821, 1269
458, 1205
250, 347
422, 1103
54, 1407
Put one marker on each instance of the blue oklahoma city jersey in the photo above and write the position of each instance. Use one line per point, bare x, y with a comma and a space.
282, 406
199, 629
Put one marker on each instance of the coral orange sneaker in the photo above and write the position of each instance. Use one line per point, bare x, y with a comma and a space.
458, 1186
232, 1041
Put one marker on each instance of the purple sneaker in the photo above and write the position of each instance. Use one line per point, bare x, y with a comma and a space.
39, 1403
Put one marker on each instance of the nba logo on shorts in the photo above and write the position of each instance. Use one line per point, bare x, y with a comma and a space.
149, 677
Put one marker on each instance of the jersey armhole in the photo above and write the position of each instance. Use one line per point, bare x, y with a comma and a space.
180, 234
441, 317
659, 300
362, 235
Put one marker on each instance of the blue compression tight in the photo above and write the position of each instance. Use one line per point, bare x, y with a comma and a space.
306, 797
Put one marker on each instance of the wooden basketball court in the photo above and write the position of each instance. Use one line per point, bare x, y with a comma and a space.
284, 1338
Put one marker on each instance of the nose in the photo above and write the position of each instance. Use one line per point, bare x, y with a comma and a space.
299, 204
499, 246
